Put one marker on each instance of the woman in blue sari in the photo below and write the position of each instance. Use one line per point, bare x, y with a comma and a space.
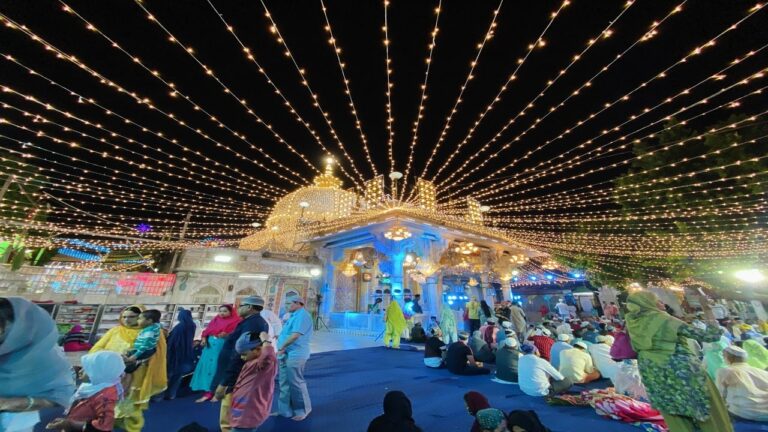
213, 340
181, 354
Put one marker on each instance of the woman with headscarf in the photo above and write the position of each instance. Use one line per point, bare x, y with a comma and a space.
486, 312
146, 381
394, 325
33, 370
397, 417
76, 340
475, 402
480, 349
448, 325
213, 340
757, 354
676, 383
181, 352
93, 406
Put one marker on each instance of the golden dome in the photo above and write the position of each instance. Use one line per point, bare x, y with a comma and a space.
323, 201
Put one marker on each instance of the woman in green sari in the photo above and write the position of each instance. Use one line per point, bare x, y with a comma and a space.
757, 354
394, 322
677, 384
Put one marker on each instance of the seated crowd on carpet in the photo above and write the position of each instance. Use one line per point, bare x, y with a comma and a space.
662, 368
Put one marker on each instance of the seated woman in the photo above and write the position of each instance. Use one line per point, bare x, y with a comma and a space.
433, 349
76, 340
398, 415
480, 349
475, 402
506, 361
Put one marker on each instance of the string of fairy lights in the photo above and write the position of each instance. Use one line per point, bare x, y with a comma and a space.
104, 165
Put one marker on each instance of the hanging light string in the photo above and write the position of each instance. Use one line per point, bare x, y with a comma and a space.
532, 103
315, 98
137, 98
656, 211
651, 135
733, 224
606, 195
114, 192
248, 188
591, 171
539, 43
250, 56
598, 152
588, 83
470, 76
390, 119
353, 109
176, 93
422, 100
68, 184
159, 134
129, 178
508, 182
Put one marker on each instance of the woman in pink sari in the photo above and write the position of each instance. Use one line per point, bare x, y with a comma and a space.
213, 339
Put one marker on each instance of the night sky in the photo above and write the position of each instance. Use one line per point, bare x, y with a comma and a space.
238, 190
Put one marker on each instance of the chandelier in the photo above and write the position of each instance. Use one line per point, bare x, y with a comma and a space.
397, 233
518, 259
466, 248
359, 259
473, 282
349, 270
506, 277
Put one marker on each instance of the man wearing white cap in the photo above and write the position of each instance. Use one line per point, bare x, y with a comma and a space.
507, 357
576, 364
562, 344
601, 356
507, 328
292, 354
744, 387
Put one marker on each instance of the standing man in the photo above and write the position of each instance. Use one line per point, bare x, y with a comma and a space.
562, 309
473, 313
518, 319
292, 354
230, 363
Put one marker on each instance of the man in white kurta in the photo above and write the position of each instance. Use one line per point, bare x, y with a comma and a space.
744, 387
601, 356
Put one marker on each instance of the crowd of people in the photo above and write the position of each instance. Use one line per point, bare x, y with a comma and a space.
696, 372
138, 361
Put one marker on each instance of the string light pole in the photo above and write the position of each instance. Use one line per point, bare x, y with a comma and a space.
181, 237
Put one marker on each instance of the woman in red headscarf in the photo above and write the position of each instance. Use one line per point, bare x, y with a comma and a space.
213, 340
475, 402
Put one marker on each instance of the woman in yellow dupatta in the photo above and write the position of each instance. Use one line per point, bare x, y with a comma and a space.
395, 324
147, 380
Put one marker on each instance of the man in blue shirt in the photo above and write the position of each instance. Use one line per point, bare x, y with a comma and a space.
293, 353
230, 363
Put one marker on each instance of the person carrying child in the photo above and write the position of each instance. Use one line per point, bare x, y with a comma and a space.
145, 344
255, 387
93, 405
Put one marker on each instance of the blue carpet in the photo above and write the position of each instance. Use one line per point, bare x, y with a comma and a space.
347, 389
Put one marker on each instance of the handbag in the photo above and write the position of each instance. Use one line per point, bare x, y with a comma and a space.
622, 347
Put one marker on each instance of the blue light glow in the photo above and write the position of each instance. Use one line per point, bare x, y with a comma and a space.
532, 278
550, 277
